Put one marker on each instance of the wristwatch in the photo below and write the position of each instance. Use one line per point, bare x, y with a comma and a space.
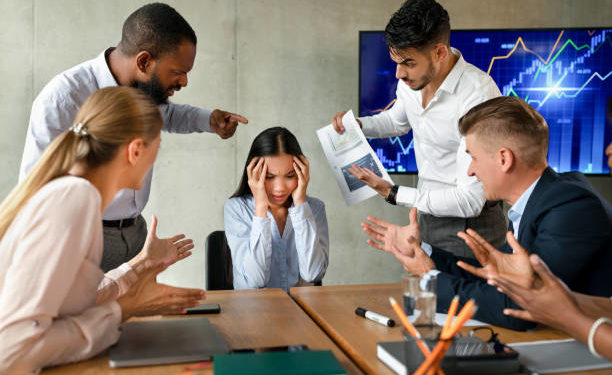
391, 197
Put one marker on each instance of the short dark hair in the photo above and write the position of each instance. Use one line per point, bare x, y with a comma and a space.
157, 28
507, 118
270, 142
418, 24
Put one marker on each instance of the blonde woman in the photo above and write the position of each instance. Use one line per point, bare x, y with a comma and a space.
57, 305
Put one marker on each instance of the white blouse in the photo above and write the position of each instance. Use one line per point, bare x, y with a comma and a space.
57, 306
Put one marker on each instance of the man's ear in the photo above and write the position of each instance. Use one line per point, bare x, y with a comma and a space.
440, 52
506, 159
134, 150
144, 62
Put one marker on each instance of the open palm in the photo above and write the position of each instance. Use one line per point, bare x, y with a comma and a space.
514, 267
394, 238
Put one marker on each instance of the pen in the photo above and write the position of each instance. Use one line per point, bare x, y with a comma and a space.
374, 317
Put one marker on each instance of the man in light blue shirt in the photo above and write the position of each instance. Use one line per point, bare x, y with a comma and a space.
156, 51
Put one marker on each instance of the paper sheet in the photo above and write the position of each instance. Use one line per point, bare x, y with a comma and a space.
441, 319
344, 150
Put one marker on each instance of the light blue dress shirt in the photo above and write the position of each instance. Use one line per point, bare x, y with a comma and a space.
55, 108
515, 213
261, 257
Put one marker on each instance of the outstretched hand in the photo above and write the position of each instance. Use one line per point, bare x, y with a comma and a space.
403, 242
225, 123
379, 184
148, 297
550, 303
495, 263
161, 250
393, 238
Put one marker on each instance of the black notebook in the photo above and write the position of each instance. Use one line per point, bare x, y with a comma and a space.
467, 355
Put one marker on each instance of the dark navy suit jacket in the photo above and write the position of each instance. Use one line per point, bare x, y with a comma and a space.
568, 224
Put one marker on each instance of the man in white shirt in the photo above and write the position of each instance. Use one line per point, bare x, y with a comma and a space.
156, 51
436, 87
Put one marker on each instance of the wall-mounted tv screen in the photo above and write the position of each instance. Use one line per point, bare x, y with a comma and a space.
566, 74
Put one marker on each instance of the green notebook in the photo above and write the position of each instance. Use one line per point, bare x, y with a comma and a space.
291, 363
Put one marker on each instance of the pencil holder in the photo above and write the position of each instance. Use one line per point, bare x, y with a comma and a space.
414, 357
465, 356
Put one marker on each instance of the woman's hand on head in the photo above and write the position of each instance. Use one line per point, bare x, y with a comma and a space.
302, 170
256, 173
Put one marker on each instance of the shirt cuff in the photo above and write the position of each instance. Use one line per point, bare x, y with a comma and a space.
300, 210
368, 127
124, 276
426, 248
259, 223
406, 196
426, 277
117, 314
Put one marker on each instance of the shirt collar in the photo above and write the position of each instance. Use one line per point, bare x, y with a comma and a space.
102, 72
452, 78
516, 211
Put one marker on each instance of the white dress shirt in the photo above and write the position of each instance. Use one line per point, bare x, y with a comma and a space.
262, 257
56, 107
444, 188
57, 305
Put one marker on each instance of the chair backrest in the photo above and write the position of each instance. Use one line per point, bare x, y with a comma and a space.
219, 271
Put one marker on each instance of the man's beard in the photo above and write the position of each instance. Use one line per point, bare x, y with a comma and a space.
153, 88
426, 79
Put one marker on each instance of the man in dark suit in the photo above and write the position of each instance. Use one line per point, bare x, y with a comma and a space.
560, 217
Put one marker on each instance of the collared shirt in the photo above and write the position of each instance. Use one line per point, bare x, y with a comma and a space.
261, 257
57, 305
444, 188
515, 213
56, 107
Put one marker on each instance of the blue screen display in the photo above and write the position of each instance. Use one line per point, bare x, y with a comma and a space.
565, 74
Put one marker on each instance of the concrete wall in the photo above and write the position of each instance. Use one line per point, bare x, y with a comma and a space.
278, 62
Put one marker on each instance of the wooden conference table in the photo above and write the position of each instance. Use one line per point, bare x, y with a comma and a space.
269, 317
333, 308
248, 319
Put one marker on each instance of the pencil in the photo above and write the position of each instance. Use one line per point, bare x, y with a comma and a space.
451, 314
468, 311
410, 328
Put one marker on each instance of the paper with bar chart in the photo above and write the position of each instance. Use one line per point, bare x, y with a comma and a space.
566, 74
346, 149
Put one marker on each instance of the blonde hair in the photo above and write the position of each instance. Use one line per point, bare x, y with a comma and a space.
109, 118
509, 121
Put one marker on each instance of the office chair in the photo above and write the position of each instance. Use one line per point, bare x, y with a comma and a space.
219, 272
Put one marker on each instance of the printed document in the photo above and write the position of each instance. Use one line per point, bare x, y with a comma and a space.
344, 150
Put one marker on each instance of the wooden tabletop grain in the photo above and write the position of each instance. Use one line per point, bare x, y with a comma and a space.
333, 308
248, 319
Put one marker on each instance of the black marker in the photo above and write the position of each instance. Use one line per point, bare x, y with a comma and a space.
375, 317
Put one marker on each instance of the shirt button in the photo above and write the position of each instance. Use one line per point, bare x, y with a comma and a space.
35, 323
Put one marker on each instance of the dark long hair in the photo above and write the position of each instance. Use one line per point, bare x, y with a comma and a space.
270, 142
